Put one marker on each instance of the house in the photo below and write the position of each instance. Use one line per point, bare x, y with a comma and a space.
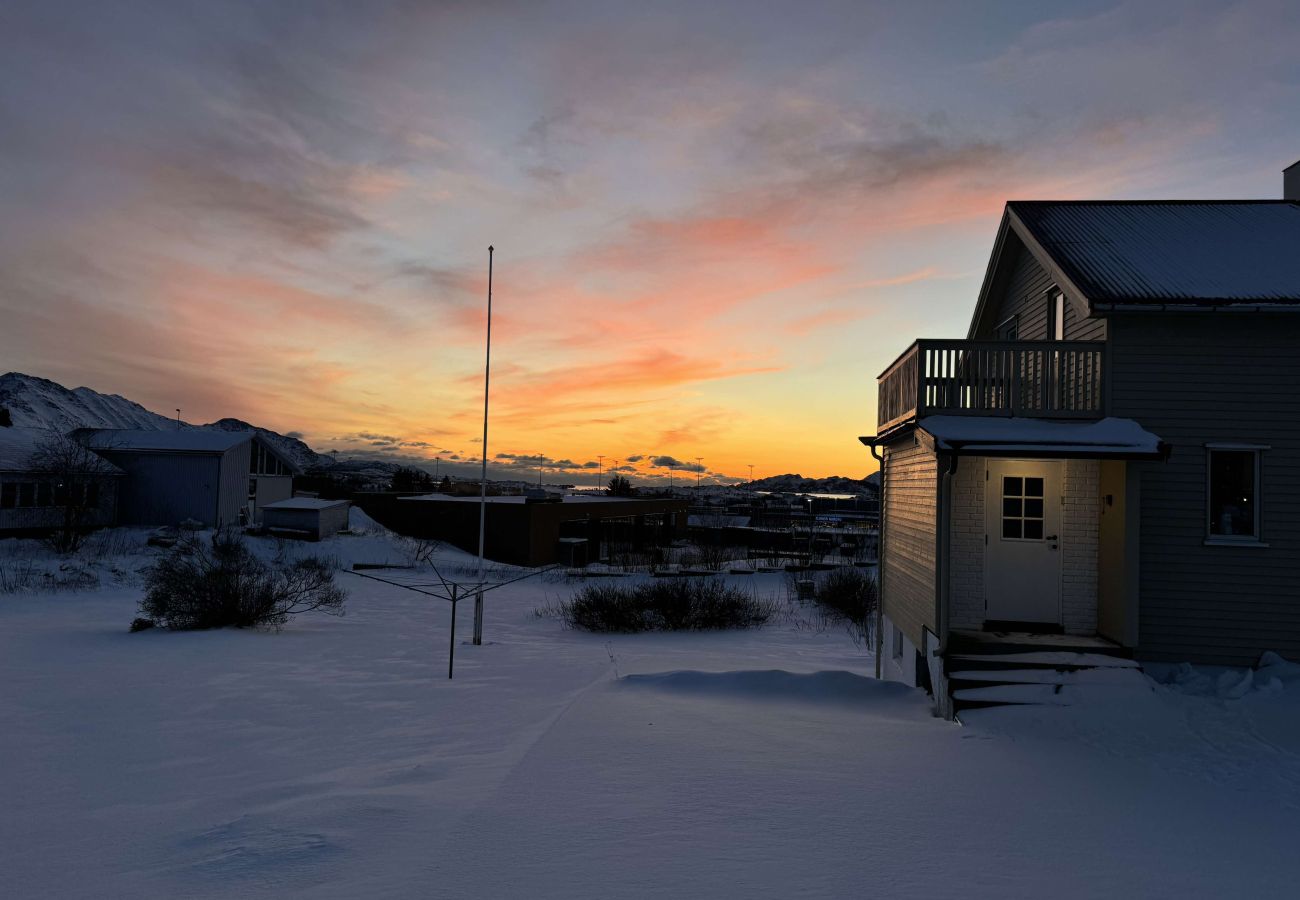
1110, 457
216, 478
307, 517
47, 482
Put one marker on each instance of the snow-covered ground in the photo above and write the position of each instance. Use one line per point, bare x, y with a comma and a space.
335, 759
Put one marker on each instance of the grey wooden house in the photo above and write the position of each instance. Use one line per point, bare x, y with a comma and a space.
1111, 457
216, 478
36, 497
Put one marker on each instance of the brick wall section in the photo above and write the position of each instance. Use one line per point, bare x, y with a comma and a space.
1080, 514
966, 545
1080, 518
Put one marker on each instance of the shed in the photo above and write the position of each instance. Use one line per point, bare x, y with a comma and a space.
307, 517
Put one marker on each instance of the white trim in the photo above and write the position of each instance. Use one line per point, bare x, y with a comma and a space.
1229, 446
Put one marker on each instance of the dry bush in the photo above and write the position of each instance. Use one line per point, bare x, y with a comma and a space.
688, 604
200, 585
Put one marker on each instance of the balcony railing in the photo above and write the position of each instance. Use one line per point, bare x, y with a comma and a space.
1047, 379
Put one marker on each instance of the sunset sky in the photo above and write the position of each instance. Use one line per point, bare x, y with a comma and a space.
715, 223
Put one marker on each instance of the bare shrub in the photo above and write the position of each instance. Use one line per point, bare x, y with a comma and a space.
691, 604
852, 595
199, 585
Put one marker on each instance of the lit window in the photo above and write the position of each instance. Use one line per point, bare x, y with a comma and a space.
1233, 494
1022, 508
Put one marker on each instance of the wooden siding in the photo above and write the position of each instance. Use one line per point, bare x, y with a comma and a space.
166, 488
232, 489
1204, 378
911, 483
1025, 296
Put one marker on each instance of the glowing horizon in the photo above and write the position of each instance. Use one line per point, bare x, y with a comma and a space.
714, 227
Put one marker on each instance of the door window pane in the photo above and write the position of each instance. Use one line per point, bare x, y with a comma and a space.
1022, 508
1233, 493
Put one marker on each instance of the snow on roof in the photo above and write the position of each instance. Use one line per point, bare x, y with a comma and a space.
18, 444
189, 440
1000, 434
305, 503
1183, 252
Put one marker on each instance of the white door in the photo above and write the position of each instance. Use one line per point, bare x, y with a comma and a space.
1022, 563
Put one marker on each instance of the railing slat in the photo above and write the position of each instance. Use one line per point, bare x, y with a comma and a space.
1059, 379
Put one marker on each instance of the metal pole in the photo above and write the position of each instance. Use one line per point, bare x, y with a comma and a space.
482, 506
451, 653
699, 470
600, 465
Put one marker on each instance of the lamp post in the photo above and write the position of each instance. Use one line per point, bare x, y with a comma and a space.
482, 502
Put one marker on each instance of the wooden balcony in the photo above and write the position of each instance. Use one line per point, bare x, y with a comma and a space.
1045, 379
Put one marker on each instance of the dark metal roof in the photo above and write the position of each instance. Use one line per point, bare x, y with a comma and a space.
1195, 252
190, 440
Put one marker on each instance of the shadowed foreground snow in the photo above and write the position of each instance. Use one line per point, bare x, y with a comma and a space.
335, 760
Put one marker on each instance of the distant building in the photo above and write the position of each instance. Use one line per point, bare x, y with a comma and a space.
306, 517
216, 478
522, 531
37, 501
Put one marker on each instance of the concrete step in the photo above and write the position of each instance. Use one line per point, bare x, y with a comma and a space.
1061, 660
1011, 694
1008, 676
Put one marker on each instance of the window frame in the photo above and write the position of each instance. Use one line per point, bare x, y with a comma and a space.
1236, 540
1008, 329
1056, 314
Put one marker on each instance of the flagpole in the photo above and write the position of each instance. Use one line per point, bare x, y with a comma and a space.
482, 502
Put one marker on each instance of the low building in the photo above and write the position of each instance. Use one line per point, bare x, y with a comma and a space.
527, 532
216, 478
64, 489
306, 517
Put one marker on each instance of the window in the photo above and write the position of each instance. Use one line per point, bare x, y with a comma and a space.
897, 647
92, 495
1022, 508
252, 489
1058, 316
1009, 330
8, 495
1233, 493
27, 494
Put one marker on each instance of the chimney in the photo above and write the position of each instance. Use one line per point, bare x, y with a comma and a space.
1291, 182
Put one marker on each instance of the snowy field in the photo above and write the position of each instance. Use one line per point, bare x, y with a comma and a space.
335, 759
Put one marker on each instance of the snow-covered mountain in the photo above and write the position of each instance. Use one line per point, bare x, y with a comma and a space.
40, 403
304, 456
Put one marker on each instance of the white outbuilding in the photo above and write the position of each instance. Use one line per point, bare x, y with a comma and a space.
306, 517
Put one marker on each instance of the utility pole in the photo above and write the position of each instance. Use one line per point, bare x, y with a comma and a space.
751, 473
482, 503
178, 420
600, 461
699, 470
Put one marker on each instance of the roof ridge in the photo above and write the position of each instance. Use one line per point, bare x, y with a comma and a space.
1180, 202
